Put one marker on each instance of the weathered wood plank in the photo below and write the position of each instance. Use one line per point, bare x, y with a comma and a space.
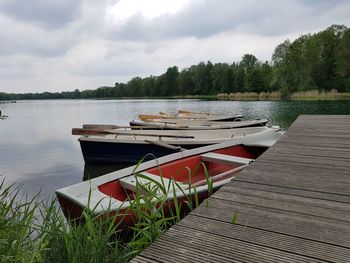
236, 182
290, 198
312, 142
322, 180
141, 259
269, 239
322, 151
302, 209
200, 246
334, 163
284, 222
331, 152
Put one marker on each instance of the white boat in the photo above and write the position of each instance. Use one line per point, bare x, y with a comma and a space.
185, 124
208, 117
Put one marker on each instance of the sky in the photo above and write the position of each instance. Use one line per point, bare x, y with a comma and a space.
63, 45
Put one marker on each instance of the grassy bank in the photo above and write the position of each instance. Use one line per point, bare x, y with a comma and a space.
32, 230
277, 95
35, 231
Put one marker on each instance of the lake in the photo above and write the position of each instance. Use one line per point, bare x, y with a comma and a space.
38, 151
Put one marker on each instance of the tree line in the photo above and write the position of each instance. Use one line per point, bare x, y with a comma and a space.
319, 61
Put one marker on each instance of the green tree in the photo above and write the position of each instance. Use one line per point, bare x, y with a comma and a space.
172, 80
343, 62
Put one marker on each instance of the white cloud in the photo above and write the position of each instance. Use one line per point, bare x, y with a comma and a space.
91, 43
149, 9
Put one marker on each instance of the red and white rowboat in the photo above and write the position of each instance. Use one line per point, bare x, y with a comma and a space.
113, 192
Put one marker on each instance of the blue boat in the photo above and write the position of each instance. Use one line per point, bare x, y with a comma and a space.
131, 146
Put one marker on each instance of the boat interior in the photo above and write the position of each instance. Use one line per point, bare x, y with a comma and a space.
188, 172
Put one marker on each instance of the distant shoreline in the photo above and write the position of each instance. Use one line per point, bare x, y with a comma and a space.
238, 96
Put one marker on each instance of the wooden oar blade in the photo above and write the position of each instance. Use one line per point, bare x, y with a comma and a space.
79, 131
100, 126
148, 116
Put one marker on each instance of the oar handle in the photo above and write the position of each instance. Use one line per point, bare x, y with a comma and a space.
113, 127
165, 145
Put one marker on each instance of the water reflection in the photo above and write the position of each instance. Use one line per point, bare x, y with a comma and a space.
95, 170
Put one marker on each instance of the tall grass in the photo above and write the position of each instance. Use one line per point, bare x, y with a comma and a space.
280, 95
35, 231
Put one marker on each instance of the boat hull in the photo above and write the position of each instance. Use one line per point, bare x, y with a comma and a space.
114, 153
130, 147
237, 124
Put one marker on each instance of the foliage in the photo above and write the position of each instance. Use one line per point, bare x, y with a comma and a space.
34, 231
319, 61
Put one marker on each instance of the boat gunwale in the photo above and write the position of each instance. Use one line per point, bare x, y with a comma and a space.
181, 141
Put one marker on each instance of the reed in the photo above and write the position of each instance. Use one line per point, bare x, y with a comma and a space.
319, 95
32, 230
279, 95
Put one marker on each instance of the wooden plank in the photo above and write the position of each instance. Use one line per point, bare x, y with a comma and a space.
317, 150
321, 135
269, 239
284, 222
312, 161
285, 197
302, 209
197, 246
141, 259
287, 190
306, 119
313, 151
326, 180
312, 142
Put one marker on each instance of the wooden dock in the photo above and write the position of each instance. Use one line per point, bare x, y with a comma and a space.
292, 204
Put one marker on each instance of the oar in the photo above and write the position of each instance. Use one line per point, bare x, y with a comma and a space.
113, 127
149, 116
165, 145
145, 117
79, 131
193, 112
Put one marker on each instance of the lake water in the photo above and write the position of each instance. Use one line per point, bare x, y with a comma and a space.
38, 151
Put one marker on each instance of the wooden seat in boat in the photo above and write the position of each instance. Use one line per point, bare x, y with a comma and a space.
130, 182
148, 180
224, 158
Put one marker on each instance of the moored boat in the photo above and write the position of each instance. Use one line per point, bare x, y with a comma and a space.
178, 173
183, 124
209, 117
130, 146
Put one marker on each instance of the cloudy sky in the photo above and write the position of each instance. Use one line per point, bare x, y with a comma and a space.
56, 45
